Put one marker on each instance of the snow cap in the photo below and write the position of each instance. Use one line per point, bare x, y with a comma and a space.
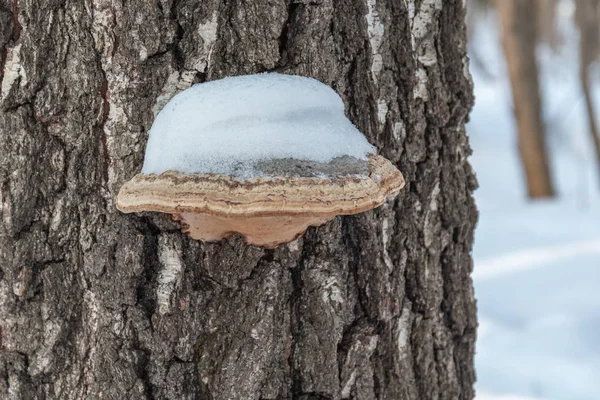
226, 126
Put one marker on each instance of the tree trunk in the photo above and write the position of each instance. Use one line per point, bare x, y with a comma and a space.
545, 17
519, 40
95, 303
587, 16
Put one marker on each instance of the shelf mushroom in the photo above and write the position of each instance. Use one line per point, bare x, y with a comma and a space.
265, 156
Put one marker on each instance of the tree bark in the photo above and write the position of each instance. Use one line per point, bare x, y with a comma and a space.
519, 41
95, 303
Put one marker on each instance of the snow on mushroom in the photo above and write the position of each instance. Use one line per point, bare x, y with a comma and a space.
265, 156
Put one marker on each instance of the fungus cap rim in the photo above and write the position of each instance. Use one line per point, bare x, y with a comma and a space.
222, 195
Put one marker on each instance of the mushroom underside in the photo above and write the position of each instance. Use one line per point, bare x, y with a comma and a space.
268, 232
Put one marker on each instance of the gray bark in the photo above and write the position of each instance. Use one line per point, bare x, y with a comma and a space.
97, 303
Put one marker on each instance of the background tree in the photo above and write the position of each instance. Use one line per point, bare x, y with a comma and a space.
519, 38
587, 17
545, 17
96, 303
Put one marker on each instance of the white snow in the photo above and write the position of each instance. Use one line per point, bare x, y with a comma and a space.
537, 263
227, 126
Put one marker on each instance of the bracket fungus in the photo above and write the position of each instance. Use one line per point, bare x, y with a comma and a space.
265, 156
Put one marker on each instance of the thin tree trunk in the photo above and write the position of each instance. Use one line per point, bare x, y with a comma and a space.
95, 303
545, 12
519, 41
587, 15
591, 111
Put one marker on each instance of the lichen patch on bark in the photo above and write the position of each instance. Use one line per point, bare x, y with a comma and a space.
376, 31
423, 41
169, 276
13, 71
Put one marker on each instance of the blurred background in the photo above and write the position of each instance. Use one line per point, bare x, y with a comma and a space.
536, 152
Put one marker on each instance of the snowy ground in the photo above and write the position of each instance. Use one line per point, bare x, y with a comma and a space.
537, 264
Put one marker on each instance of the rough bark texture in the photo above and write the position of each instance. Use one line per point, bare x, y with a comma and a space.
94, 303
519, 38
